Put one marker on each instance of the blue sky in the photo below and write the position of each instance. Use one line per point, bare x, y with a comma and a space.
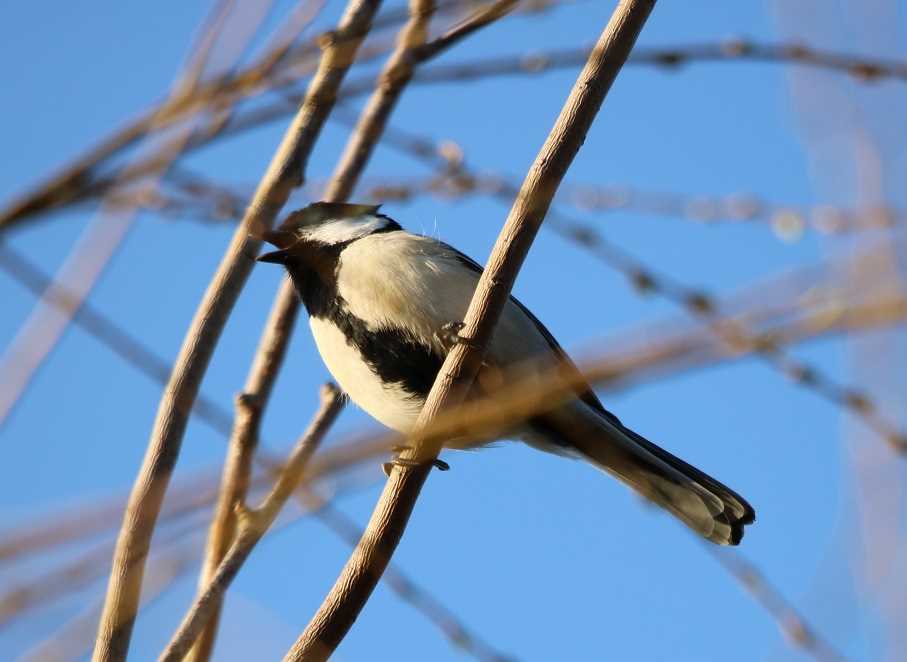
544, 557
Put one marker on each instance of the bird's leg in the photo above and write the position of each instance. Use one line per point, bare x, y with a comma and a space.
440, 465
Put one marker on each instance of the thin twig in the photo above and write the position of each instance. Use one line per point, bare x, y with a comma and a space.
285, 172
863, 69
241, 449
371, 556
252, 525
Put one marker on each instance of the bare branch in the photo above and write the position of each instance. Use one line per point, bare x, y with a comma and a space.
252, 525
864, 69
451, 626
371, 556
285, 172
243, 442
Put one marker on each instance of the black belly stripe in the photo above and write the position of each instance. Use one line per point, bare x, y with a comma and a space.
393, 354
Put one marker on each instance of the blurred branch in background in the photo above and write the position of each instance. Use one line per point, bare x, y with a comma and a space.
789, 222
275, 73
84, 570
103, 237
189, 195
798, 632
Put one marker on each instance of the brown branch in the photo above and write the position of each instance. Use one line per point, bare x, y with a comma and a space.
864, 69
238, 466
371, 556
252, 525
284, 173
451, 626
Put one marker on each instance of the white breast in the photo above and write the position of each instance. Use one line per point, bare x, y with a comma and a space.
389, 404
405, 281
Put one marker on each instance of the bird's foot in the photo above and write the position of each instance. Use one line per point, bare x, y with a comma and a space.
438, 464
449, 335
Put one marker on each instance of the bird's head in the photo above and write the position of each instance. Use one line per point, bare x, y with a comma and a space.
324, 224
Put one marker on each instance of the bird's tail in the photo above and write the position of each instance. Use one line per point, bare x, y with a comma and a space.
698, 500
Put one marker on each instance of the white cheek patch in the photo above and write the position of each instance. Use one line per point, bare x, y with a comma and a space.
343, 229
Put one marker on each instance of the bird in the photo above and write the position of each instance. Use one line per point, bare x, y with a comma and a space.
384, 307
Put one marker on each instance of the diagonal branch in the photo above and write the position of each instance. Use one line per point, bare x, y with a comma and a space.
385, 528
252, 526
241, 449
285, 172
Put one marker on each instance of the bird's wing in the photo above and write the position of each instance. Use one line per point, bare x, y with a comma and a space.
584, 392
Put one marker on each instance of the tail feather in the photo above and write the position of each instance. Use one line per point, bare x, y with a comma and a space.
698, 500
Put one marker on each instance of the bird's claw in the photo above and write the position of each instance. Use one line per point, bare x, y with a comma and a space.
398, 461
449, 335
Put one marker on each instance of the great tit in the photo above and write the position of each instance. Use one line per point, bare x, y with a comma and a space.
379, 299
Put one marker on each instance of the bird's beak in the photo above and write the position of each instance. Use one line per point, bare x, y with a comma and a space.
275, 257
283, 240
